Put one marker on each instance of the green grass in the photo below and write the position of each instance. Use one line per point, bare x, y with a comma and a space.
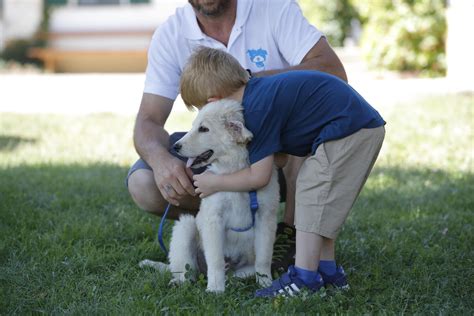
71, 238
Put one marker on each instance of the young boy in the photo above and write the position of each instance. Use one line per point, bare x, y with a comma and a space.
301, 113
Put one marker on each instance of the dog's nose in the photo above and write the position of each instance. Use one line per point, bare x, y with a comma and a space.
177, 147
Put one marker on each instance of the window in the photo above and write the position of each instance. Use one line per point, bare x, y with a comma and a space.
99, 2
55, 2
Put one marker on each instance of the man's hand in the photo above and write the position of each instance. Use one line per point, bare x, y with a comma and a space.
173, 179
151, 141
206, 183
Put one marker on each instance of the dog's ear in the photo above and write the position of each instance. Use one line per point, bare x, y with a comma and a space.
238, 132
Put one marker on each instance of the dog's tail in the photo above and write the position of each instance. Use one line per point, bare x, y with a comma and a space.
160, 266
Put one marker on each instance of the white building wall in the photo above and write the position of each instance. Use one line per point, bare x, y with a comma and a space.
126, 27
2, 39
138, 17
460, 46
21, 18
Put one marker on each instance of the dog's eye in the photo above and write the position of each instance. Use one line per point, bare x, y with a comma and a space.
203, 129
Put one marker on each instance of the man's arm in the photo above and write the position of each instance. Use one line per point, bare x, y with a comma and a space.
151, 142
320, 57
249, 179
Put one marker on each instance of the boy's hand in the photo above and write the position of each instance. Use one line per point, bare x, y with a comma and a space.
206, 183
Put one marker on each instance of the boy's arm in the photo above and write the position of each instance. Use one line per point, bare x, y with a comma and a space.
252, 178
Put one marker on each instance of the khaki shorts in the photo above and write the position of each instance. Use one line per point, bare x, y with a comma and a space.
329, 182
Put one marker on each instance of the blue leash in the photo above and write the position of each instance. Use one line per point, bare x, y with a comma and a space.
253, 210
160, 230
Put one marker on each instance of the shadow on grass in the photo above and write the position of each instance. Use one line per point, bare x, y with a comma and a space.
70, 230
70, 205
77, 197
10, 143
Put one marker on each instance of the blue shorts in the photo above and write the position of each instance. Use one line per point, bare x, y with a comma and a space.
142, 164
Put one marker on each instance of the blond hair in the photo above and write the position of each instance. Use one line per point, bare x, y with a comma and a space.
210, 73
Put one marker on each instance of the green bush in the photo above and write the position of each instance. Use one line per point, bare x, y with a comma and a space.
404, 35
333, 17
18, 51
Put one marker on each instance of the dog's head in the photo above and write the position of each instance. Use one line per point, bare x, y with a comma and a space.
216, 131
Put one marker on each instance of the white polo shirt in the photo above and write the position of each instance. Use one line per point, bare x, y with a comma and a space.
267, 34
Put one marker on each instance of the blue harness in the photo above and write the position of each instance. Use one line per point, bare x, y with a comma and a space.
253, 210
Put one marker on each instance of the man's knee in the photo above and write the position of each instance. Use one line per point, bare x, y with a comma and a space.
144, 192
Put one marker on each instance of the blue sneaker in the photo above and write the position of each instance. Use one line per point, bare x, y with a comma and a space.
288, 285
337, 280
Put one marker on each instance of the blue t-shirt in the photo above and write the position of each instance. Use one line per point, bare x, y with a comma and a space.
296, 111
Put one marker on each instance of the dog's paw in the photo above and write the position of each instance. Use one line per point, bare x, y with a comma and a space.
245, 272
216, 283
215, 289
178, 279
264, 280
160, 266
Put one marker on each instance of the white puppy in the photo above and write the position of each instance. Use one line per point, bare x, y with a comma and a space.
218, 138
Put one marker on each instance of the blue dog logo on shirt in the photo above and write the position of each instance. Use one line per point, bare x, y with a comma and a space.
258, 57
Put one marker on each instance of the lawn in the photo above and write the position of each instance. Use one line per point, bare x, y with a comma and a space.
71, 238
